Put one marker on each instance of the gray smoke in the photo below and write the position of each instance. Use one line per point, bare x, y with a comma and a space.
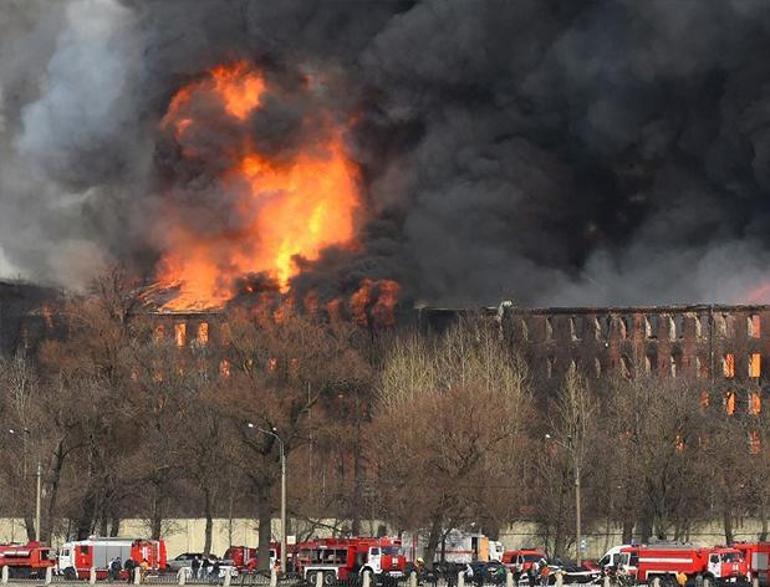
549, 152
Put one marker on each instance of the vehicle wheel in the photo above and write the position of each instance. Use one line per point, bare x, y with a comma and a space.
311, 577
329, 579
70, 574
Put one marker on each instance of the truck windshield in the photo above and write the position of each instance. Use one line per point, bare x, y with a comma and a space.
532, 558
391, 550
731, 557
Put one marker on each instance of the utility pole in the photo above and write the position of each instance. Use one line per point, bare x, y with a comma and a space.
275, 435
37, 501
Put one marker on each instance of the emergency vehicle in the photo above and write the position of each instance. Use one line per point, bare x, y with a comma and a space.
519, 561
245, 557
756, 555
457, 547
715, 565
76, 558
26, 561
338, 559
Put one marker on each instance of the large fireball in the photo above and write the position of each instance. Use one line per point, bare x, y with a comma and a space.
294, 205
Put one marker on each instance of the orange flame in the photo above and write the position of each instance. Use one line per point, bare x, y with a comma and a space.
292, 209
375, 301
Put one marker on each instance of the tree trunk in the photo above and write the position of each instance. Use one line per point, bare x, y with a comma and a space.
628, 530
763, 519
265, 513
157, 513
433, 539
209, 522
56, 470
114, 526
727, 520
358, 482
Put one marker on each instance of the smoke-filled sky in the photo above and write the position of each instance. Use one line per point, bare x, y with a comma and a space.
549, 152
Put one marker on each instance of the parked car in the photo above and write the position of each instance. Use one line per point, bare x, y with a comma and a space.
185, 560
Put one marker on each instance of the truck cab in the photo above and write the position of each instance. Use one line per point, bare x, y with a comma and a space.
727, 565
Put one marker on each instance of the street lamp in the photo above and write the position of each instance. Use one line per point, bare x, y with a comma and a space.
576, 462
274, 434
38, 474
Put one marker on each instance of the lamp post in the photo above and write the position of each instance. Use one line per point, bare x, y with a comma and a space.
275, 435
38, 474
576, 463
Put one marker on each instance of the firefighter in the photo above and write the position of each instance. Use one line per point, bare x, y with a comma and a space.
144, 568
681, 579
115, 565
129, 566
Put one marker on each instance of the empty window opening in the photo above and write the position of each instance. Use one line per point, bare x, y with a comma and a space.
625, 367
698, 321
755, 365
697, 367
224, 368
597, 368
605, 323
650, 327
753, 326
548, 329
720, 324
679, 443
524, 330
180, 334
755, 403
203, 334
755, 444
550, 363
597, 328
158, 334
575, 328
673, 361
728, 365
672, 324
622, 326
730, 403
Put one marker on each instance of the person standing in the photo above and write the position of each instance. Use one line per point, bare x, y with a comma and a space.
195, 566
129, 566
205, 567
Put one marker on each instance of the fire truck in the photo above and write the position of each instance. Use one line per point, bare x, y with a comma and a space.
715, 565
26, 561
77, 558
519, 561
457, 547
245, 557
756, 555
338, 559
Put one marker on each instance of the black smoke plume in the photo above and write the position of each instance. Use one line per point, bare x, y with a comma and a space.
550, 152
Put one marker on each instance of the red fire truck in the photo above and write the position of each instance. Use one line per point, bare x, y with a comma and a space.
337, 559
757, 556
77, 558
26, 561
245, 557
715, 565
519, 561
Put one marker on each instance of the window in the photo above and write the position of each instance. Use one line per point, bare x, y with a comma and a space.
728, 365
720, 324
575, 328
224, 368
180, 334
203, 334
597, 328
158, 334
697, 366
597, 368
755, 365
650, 327
755, 403
673, 361
672, 328
679, 443
548, 329
622, 326
550, 362
755, 444
650, 363
730, 403
625, 367
753, 326
524, 330
699, 320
